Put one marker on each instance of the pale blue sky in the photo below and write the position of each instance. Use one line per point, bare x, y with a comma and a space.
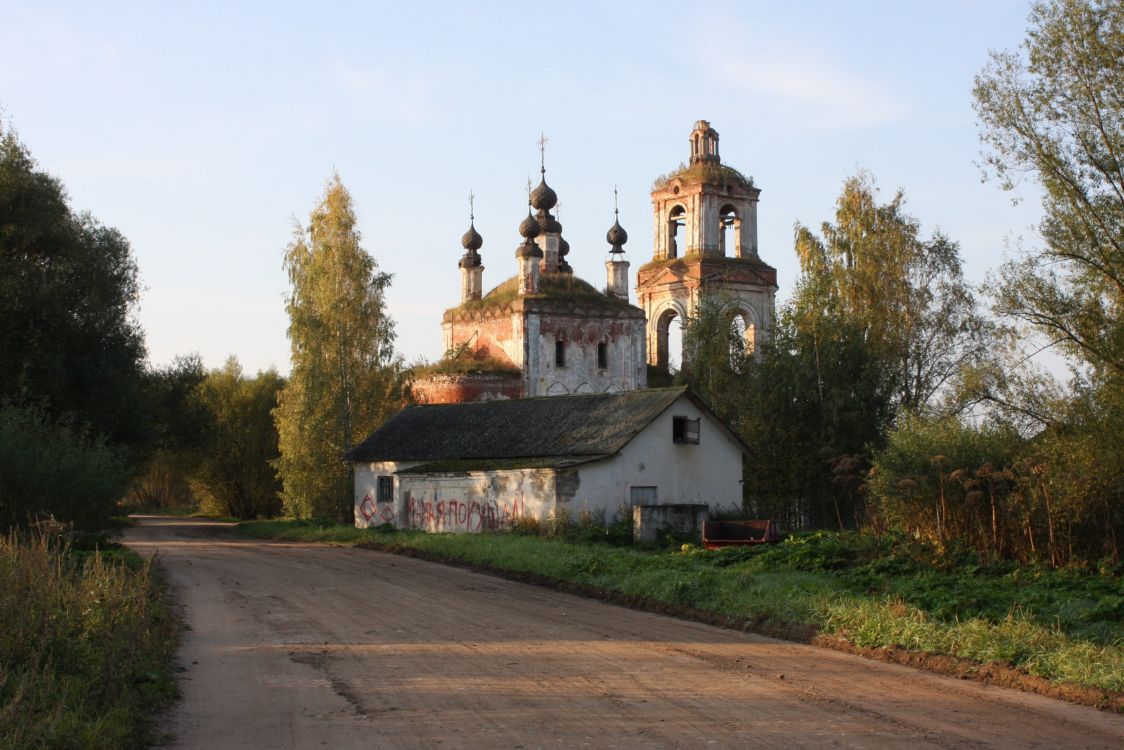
200, 130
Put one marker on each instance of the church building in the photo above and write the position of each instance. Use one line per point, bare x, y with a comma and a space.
541, 407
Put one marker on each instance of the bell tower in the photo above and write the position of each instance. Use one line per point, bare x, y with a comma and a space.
705, 242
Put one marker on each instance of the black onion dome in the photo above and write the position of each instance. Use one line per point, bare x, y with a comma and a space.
528, 250
616, 236
472, 240
543, 197
529, 228
564, 267
563, 247
548, 223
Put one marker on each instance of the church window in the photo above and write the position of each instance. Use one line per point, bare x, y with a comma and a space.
559, 353
685, 430
603, 356
385, 489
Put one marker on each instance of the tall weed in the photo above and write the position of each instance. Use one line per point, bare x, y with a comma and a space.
85, 646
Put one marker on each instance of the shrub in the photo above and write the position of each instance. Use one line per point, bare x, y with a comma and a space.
54, 469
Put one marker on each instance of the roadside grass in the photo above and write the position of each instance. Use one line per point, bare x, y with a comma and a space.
86, 643
1065, 625
188, 511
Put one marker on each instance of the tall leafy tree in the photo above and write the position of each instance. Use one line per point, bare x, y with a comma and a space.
345, 379
1054, 109
235, 473
810, 396
906, 295
181, 427
68, 293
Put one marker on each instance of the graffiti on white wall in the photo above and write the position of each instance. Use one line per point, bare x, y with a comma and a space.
376, 513
461, 514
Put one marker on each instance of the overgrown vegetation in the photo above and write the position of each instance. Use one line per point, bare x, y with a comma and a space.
216, 442
874, 591
86, 641
56, 469
553, 286
463, 360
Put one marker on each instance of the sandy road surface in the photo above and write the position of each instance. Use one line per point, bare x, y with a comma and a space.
308, 646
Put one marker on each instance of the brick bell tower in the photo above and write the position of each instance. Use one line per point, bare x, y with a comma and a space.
705, 242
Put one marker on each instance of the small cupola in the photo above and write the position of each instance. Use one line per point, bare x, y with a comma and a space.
704, 144
472, 269
616, 268
543, 199
529, 255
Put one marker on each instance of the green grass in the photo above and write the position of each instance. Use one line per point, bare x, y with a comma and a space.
86, 644
1062, 625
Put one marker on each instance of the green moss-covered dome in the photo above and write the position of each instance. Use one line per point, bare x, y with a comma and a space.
561, 287
707, 173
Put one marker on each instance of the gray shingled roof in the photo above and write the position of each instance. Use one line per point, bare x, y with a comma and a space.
585, 426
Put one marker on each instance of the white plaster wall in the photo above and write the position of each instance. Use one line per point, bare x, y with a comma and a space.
368, 511
476, 501
710, 472
627, 367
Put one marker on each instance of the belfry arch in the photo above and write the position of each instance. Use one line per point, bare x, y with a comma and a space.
676, 230
729, 230
665, 337
744, 321
705, 243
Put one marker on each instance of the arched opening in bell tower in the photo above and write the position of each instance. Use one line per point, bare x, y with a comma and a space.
669, 341
676, 219
743, 327
729, 231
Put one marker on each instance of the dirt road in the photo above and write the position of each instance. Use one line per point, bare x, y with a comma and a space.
305, 646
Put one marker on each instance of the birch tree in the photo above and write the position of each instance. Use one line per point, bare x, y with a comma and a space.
907, 295
346, 378
1054, 111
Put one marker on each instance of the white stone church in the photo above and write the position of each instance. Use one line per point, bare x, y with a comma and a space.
545, 411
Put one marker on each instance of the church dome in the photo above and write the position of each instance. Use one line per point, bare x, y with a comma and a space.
616, 235
548, 223
472, 240
529, 228
543, 197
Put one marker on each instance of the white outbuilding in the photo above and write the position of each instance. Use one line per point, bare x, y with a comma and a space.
468, 467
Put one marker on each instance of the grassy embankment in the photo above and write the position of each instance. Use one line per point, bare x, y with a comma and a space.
86, 640
1062, 625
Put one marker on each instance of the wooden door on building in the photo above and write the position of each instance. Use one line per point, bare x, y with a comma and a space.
641, 496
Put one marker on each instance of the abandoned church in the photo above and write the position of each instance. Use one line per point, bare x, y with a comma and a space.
541, 408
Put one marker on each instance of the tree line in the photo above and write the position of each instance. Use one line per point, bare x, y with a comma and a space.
86, 421
889, 397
